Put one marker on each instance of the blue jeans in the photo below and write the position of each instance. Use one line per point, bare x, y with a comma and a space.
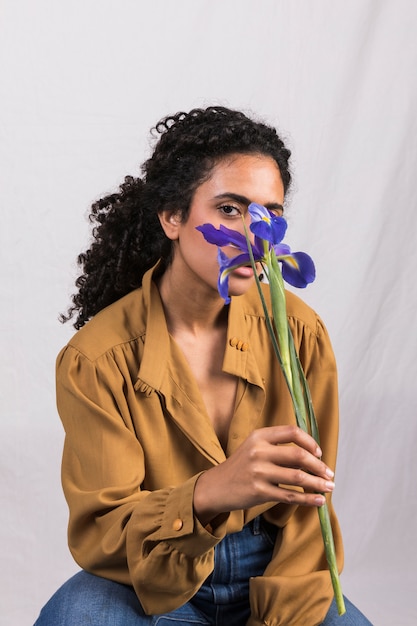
223, 599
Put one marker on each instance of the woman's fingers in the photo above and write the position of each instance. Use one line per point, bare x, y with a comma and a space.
274, 464
284, 467
287, 495
272, 475
288, 434
302, 452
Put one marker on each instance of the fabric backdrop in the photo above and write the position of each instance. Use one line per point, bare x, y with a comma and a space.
81, 84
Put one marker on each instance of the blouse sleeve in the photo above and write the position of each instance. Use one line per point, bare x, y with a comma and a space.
296, 587
149, 539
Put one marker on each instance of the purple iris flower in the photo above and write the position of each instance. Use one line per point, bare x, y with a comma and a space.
297, 267
267, 225
226, 237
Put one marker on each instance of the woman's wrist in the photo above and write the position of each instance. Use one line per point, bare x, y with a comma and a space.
205, 508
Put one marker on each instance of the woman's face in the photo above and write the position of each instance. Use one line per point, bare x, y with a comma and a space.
235, 182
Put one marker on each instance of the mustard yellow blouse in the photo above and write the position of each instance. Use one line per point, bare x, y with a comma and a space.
138, 437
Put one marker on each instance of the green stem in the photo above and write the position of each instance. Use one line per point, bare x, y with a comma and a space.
297, 406
302, 393
279, 310
327, 534
297, 384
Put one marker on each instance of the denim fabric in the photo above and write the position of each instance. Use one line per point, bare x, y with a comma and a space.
223, 599
352, 617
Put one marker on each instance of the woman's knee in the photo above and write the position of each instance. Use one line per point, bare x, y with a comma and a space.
94, 601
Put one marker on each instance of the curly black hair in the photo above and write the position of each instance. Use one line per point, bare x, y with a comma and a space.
127, 236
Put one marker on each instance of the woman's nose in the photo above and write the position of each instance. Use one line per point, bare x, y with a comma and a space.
245, 226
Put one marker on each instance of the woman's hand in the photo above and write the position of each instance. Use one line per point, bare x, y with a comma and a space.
262, 470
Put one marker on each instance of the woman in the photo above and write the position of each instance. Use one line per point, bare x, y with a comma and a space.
187, 504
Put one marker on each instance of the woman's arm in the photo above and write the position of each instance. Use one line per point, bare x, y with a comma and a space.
119, 528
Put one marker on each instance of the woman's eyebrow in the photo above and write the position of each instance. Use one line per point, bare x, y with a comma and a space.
229, 195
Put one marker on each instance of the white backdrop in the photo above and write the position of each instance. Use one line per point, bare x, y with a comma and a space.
81, 83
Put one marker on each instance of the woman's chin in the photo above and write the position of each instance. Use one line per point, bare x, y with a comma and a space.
240, 281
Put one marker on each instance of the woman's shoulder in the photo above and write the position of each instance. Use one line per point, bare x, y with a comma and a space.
298, 311
119, 323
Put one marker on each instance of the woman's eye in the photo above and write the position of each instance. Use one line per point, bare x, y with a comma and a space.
278, 212
229, 210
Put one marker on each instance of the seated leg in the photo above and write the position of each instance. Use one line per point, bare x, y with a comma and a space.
88, 600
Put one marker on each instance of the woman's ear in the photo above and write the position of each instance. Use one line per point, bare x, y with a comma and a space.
170, 221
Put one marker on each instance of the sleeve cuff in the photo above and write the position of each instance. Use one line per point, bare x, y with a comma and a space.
182, 529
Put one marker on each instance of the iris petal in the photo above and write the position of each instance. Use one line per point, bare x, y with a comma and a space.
258, 212
266, 225
262, 230
279, 228
222, 236
281, 249
298, 269
227, 266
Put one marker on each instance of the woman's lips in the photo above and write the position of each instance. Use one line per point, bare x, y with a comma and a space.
244, 271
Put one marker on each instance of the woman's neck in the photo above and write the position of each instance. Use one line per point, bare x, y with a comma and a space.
190, 308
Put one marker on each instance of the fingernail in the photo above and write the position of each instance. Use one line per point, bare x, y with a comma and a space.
319, 453
320, 500
329, 484
329, 472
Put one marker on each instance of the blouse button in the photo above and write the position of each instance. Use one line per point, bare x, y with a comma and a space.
234, 341
177, 524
